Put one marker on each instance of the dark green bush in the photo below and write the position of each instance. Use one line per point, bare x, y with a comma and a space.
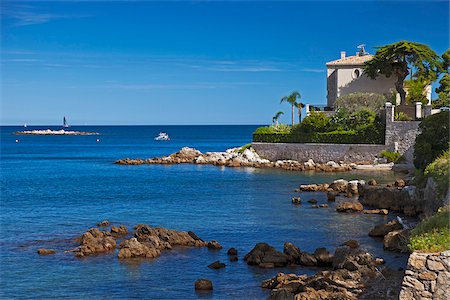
433, 139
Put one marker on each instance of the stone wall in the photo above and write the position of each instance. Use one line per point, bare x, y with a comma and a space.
400, 136
320, 153
427, 276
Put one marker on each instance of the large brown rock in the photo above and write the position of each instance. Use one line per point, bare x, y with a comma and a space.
349, 206
382, 229
339, 186
307, 259
323, 257
118, 231
403, 200
94, 241
132, 248
293, 252
203, 284
396, 241
264, 255
163, 238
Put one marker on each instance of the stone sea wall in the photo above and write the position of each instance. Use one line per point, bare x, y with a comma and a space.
321, 153
427, 276
400, 136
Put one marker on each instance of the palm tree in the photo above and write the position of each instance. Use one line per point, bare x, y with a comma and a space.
277, 116
292, 99
299, 106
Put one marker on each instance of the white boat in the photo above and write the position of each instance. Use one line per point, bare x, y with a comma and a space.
162, 136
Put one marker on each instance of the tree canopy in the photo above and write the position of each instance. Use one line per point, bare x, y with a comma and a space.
399, 58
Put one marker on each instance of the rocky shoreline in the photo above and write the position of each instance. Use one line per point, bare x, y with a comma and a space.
54, 132
144, 242
237, 157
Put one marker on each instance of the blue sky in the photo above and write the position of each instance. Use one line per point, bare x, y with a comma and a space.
188, 62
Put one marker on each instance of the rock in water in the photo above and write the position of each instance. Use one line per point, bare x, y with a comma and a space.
117, 231
293, 252
339, 186
216, 265
312, 201
331, 196
43, 251
214, 245
232, 251
133, 248
104, 223
203, 284
296, 200
397, 241
350, 207
95, 241
382, 229
264, 255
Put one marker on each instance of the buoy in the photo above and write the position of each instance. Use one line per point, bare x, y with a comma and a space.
98, 140
17, 141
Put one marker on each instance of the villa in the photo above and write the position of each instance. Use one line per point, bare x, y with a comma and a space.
346, 75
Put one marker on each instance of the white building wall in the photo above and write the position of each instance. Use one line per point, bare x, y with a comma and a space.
348, 81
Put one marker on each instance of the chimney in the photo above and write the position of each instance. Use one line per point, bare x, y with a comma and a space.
342, 54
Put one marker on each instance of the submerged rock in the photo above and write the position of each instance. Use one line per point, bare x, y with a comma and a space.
104, 223
43, 251
214, 245
296, 200
216, 265
232, 251
118, 231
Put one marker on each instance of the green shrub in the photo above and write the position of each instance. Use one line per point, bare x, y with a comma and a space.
433, 233
439, 171
401, 116
433, 139
243, 148
315, 122
355, 102
434, 241
390, 156
273, 129
363, 127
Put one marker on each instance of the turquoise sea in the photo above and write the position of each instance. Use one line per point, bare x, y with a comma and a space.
53, 188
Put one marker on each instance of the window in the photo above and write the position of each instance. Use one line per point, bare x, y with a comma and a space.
356, 73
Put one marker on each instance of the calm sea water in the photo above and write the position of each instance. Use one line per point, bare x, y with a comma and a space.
54, 188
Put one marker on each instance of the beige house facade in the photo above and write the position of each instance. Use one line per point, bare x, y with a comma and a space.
346, 75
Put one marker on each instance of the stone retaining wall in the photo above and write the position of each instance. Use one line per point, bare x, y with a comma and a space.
320, 153
427, 276
400, 136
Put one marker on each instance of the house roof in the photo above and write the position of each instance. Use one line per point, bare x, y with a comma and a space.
350, 61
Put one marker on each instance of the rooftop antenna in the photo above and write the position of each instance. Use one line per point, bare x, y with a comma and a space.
362, 51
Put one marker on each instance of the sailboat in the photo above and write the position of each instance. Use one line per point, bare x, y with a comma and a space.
65, 125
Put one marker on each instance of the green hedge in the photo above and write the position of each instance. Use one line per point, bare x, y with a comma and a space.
333, 137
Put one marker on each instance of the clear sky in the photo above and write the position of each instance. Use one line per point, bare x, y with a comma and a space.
188, 62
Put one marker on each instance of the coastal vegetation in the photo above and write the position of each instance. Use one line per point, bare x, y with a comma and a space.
277, 117
399, 58
432, 234
354, 102
363, 126
444, 83
433, 139
391, 156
